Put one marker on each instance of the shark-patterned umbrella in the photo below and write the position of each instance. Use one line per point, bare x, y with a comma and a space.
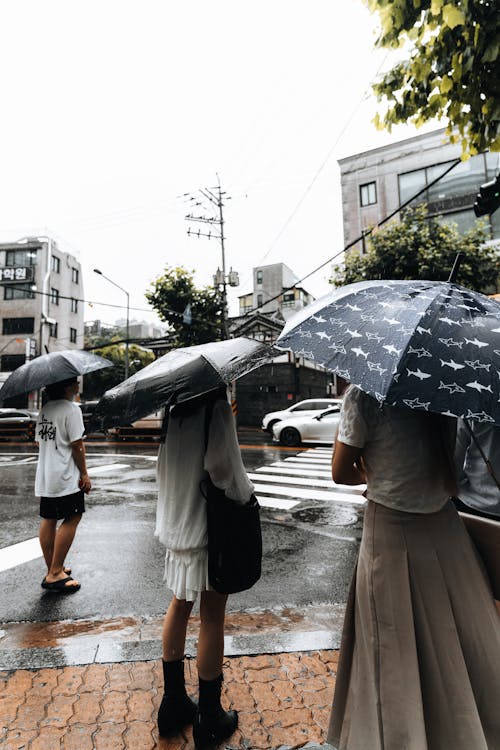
431, 345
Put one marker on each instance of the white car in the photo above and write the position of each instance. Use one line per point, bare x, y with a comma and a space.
310, 406
318, 428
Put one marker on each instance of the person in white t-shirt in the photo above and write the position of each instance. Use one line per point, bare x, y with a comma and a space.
61, 481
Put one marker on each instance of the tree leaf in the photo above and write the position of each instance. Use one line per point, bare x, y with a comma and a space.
453, 16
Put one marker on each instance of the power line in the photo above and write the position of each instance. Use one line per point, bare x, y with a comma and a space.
365, 233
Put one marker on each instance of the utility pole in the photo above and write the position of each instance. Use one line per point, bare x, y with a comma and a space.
216, 198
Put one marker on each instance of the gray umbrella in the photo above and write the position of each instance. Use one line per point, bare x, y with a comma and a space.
432, 345
51, 368
178, 376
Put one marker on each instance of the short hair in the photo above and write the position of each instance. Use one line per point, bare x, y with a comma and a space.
58, 390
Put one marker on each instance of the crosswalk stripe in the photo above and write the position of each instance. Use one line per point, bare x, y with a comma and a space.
277, 503
294, 480
295, 471
103, 469
310, 494
310, 459
17, 554
302, 467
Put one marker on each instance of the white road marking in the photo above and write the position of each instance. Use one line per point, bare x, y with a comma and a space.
310, 459
310, 494
19, 553
308, 481
299, 469
109, 467
277, 503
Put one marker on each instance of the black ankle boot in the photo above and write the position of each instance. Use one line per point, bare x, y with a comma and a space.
177, 710
212, 724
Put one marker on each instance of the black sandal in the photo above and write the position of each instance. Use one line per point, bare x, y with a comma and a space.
59, 587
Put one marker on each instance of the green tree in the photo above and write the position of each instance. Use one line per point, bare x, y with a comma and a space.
96, 383
175, 293
452, 69
419, 247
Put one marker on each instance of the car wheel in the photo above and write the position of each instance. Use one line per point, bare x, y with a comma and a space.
271, 425
290, 436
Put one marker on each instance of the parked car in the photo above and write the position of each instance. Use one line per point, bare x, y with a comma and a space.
305, 408
17, 424
313, 428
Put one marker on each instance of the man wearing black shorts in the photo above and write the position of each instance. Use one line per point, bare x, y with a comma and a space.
61, 481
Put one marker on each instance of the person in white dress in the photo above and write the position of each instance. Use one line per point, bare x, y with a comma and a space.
195, 445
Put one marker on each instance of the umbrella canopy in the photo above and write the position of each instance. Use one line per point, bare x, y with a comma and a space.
51, 368
179, 376
425, 344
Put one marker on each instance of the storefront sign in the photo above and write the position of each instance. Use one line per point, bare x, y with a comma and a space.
13, 274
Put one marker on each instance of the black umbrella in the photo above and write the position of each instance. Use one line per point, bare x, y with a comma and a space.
425, 344
51, 368
178, 376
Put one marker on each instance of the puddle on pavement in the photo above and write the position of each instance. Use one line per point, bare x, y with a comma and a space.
327, 515
83, 633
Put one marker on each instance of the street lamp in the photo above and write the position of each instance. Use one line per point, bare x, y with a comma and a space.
96, 270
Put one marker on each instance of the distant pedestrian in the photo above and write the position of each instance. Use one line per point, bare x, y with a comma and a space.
478, 493
61, 481
420, 654
201, 438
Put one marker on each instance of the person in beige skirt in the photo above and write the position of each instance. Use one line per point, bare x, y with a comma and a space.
419, 664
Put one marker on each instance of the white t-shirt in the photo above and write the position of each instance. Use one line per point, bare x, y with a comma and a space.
59, 424
399, 451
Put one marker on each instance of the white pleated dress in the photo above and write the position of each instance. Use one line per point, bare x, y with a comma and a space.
181, 522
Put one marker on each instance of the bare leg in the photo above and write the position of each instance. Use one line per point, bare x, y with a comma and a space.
174, 629
211, 638
63, 541
47, 535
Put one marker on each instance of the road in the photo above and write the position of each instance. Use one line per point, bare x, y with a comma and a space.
311, 532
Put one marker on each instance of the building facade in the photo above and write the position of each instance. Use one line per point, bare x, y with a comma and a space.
275, 291
288, 379
375, 183
41, 302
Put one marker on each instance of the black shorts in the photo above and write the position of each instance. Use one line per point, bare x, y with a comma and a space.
65, 506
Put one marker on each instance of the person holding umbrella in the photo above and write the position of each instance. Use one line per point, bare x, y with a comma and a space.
420, 652
61, 481
201, 437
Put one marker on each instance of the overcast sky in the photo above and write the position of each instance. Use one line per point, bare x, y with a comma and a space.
111, 109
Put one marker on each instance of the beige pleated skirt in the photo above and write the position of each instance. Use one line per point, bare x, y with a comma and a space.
419, 663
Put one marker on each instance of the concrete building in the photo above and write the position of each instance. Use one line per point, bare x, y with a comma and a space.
274, 291
41, 308
375, 183
274, 298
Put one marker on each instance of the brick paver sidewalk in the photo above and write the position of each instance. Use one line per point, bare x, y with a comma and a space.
283, 701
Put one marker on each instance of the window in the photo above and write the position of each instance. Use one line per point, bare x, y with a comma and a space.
10, 362
56, 264
260, 300
288, 299
74, 305
20, 291
53, 330
368, 194
11, 326
54, 296
74, 275
72, 335
259, 277
20, 257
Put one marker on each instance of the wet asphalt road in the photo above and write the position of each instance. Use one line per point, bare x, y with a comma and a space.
309, 550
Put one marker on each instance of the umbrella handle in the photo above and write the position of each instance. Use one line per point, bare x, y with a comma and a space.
486, 460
